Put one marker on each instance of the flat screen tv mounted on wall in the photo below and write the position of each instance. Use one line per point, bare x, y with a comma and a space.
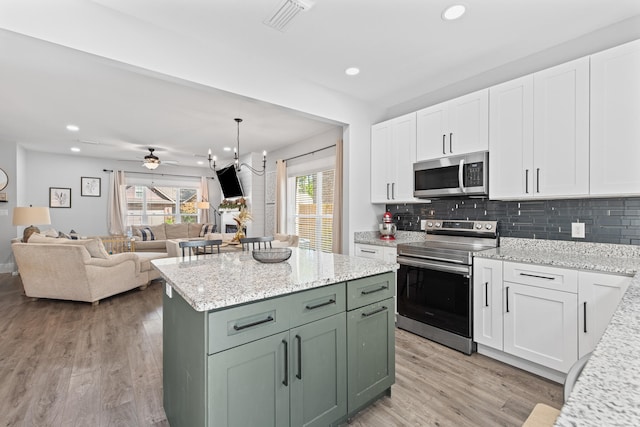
229, 182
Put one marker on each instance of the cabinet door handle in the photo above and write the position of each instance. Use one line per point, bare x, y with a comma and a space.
285, 382
537, 276
373, 291
584, 315
486, 294
387, 191
443, 143
393, 191
249, 325
322, 304
451, 142
507, 291
380, 310
537, 180
299, 374
526, 181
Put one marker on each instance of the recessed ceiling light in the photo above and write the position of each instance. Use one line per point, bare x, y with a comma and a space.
352, 71
227, 148
73, 128
453, 12
75, 149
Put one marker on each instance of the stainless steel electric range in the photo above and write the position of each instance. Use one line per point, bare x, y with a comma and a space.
435, 284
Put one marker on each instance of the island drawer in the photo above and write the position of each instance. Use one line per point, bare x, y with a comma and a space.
315, 304
368, 290
239, 325
541, 276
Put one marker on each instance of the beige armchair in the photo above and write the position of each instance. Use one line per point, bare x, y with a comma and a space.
69, 272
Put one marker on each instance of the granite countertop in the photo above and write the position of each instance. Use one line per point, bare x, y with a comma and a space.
607, 392
373, 238
222, 280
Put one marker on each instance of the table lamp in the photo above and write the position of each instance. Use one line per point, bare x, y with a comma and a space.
29, 216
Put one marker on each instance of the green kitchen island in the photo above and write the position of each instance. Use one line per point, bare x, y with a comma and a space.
305, 342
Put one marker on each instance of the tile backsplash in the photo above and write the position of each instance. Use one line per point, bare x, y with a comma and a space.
614, 220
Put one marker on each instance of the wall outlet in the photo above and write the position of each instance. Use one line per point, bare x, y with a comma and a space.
577, 230
169, 290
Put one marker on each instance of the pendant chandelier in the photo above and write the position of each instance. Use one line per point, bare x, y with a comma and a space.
236, 157
151, 161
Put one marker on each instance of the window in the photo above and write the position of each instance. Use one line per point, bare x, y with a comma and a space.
313, 204
153, 205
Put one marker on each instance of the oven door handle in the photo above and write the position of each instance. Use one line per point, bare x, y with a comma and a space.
434, 265
431, 258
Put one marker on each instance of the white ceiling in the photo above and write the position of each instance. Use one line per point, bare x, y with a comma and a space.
403, 48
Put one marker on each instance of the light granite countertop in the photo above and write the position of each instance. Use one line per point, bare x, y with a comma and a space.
373, 238
607, 392
217, 281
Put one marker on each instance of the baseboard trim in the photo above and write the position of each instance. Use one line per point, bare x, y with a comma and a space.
534, 368
8, 268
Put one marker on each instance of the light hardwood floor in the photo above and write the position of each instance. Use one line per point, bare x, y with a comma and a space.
72, 364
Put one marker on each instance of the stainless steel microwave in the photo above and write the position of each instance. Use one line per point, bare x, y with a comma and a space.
464, 175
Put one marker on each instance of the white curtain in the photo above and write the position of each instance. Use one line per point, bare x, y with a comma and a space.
117, 204
204, 191
337, 201
281, 196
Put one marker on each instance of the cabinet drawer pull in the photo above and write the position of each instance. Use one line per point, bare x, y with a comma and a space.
373, 291
368, 251
285, 382
451, 142
443, 143
507, 291
585, 316
299, 374
537, 276
322, 304
249, 325
486, 294
380, 310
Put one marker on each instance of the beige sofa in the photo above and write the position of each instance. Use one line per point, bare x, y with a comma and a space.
80, 270
162, 233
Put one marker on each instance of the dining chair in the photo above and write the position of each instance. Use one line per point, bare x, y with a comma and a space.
199, 246
259, 242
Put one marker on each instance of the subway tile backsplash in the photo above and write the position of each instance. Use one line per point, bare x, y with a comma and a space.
615, 220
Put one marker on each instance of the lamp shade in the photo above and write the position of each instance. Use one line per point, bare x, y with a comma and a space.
202, 205
31, 215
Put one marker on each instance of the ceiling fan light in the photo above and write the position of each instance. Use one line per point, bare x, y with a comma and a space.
151, 161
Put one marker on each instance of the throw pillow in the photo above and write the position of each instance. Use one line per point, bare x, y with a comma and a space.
63, 235
147, 234
206, 229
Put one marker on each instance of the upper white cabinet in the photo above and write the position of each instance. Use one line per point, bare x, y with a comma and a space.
615, 120
539, 133
599, 295
393, 153
454, 127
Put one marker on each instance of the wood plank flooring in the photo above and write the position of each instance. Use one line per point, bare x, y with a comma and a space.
71, 364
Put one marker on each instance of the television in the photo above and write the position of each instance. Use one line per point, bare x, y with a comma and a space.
229, 182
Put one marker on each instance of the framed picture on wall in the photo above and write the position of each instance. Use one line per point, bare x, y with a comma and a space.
89, 186
59, 197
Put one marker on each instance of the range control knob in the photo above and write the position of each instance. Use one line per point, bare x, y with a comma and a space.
438, 225
429, 224
478, 226
488, 226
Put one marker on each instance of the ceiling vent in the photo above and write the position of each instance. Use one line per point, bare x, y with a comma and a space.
285, 12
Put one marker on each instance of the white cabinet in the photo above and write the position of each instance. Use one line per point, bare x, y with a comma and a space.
487, 295
393, 153
599, 295
615, 124
540, 134
458, 126
383, 253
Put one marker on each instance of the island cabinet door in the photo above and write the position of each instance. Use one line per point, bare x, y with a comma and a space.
318, 371
370, 352
249, 385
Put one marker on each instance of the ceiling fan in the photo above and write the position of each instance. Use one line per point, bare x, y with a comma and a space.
151, 161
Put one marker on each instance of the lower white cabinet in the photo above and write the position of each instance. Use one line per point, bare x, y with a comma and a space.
383, 253
540, 325
546, 315
599, 295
